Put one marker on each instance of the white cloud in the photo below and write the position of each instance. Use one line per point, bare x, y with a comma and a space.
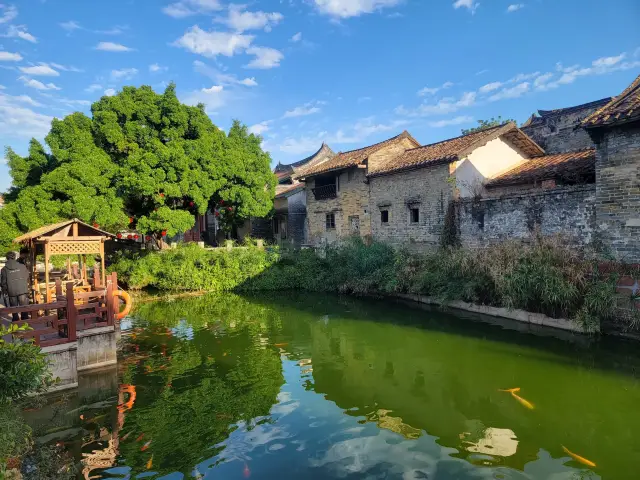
265, 57
70, 26
19, 31
155, 68
9, 12
213, 89
452, 121
599, 66
540, 81
65, 68
212, 44
260, 128
352, 8
187, 8
442, 107
364, 99
490, 87
40, 70
93, 88
472, 5
30, 82
303, 110
514, 7
433, 90
521, 77
117, 30
513, 92
222, 78
248, 82
10, 57
112, 47
18, 120
83, 103
123, 74
241, 20
297, 37
298, 146
109, 92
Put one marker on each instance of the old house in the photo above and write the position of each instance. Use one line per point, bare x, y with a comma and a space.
288, 225
337, 191
410, 192
615, 129
559, 130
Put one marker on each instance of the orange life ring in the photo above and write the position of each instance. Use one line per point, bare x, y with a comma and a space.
127, 306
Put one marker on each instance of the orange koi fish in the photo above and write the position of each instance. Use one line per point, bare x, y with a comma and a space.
150, 463
522, 401
125, 436
578, 458
140, 437
280, 344
145, 446
246, 472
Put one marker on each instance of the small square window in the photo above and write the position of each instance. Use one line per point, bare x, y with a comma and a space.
415, 215
330, 221
384, 216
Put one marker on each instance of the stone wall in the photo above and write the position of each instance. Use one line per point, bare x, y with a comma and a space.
561, 132
426, 189
568, 211
618, 191
352, 201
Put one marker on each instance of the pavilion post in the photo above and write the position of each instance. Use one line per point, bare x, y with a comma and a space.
104, 278
46, 273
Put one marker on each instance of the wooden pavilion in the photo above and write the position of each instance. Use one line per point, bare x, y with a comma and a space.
70, 238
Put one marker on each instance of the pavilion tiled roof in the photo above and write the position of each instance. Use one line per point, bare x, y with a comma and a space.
286, 190
622, 109
353, 158
571, 167
455, 149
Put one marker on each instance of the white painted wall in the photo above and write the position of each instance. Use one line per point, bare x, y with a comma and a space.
492, 159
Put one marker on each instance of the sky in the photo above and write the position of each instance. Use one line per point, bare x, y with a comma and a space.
300, 72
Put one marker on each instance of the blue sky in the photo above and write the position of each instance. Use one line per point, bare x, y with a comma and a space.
349, 72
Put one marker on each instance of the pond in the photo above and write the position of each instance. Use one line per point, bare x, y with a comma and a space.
320, 386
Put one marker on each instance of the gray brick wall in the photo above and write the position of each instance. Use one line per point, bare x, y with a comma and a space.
562, 133
426, 189
567, 210
618, 191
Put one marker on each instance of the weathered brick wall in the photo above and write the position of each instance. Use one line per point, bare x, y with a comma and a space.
618, 192
561, 133
426, 189
352, 200
567, 210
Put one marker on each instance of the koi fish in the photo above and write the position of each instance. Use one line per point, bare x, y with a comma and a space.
578, 458
81, 417
125, 436
246, 472
140, 437
145, 446
522, 401
150, 463
280, 344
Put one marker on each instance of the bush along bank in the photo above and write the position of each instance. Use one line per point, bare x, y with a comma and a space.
544, 276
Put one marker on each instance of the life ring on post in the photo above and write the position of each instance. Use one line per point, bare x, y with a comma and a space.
127, 303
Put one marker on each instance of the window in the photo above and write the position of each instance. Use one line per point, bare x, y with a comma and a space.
331, 221
384, 216
415, 215
276, 226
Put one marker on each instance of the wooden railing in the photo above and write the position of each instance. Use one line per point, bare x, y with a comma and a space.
325, 192
58, 322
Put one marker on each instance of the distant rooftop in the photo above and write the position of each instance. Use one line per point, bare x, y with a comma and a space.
622, 109
542, 114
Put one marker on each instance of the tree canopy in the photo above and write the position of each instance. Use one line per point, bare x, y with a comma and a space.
484, 124
143, 160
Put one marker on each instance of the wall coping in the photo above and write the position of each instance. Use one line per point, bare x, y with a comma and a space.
591, 187
63, 347
95, 331
517, 315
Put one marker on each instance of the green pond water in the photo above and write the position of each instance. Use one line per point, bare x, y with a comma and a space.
313, 386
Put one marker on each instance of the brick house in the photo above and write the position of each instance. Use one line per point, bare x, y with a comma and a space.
337, 191
410, 192
615, 129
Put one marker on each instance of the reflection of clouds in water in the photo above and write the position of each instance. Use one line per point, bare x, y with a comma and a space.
126, 324
496, 441
183, 330
243, 441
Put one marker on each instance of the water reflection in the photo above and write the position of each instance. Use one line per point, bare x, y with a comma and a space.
239, 387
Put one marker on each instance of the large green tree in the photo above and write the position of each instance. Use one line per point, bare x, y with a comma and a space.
142, 160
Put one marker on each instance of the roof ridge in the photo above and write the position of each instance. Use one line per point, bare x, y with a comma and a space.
404, 132
555, 111
614, 101
460, 136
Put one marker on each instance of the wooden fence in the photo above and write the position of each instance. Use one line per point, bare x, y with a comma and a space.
59, 321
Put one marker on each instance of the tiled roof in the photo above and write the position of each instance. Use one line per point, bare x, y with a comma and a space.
570, 167
286, 190
623, 108
354, 157
575, 108
319, 156
38, 232
455, 149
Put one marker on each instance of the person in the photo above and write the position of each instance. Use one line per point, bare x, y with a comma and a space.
14, 281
